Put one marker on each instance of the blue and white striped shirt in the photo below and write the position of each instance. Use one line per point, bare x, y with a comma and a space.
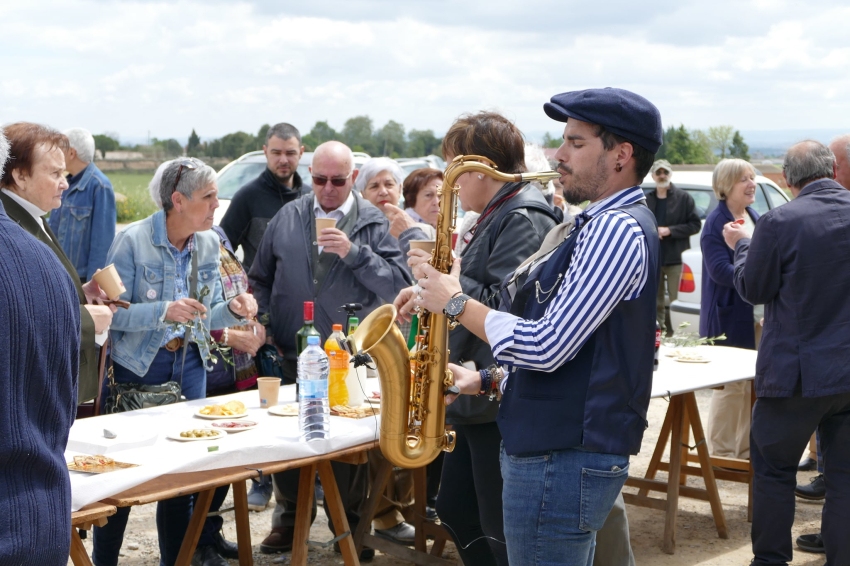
609, 265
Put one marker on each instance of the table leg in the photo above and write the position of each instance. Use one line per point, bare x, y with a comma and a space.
676, 408
196, 524
660, 447
705, 464
303, 514
79, 556
420, 496
243, 526
376, 492
335, 506
684, 444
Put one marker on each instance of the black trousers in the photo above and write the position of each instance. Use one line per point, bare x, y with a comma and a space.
469, 503
781, 429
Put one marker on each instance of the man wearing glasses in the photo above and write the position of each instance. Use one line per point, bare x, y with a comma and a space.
358, 261
254, 205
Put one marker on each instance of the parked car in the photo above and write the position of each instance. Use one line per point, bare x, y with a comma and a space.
238, 172
698, 184
411, 164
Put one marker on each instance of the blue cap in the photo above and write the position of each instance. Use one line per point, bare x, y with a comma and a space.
619, 111
312, 340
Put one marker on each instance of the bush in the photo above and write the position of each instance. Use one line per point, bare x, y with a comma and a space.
134, 202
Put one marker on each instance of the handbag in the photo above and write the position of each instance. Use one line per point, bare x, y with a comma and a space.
269, 362
125, 397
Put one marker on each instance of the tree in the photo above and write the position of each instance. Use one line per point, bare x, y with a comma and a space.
720, 138
169, 148
261, 135
679, 147
357, 134
738, 148
232, 145
104, 142
193, 148
549, 141
320, 133
390, 140
422, 142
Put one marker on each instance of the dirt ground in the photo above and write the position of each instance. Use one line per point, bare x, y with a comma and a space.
696, 537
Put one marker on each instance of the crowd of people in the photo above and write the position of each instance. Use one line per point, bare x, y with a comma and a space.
556, 309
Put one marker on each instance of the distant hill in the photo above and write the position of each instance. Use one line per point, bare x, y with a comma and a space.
776, 142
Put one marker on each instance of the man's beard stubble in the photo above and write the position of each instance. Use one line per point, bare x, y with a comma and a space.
585, 187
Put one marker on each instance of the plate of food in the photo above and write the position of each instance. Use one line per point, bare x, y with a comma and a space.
232, 426
229, 410
363, 411
193, 434
97, 464
691, 358
288, 410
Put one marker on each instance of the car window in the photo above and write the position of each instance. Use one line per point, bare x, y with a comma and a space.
760, 205
702, 201
236, 176
775, 196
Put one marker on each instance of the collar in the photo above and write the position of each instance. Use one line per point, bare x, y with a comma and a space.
339, 213
79, 180
415, 215
32, 209
819, 185
617, 200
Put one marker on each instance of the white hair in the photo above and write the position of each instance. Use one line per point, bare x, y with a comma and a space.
82, 141
4, 151
842, 142
536, 161
156, 182
184, 175
378, 165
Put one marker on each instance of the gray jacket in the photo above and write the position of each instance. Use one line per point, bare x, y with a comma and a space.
282, 277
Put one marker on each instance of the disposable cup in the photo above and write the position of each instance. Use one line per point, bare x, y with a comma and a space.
424, 245
269, 388
322, 223
110, 281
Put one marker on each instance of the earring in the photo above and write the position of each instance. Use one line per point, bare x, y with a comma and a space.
618, 168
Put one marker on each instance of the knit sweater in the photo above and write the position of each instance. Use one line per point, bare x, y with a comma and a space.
39, 364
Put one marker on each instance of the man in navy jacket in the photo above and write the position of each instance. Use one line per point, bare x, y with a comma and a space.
798, 265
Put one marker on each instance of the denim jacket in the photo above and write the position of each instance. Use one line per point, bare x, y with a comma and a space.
147, 269
85, 223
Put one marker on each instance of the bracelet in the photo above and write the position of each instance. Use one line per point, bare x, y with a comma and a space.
496, 376
485, 382
224, 337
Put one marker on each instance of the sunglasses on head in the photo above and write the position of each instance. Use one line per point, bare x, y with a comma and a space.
321, 181
188, 164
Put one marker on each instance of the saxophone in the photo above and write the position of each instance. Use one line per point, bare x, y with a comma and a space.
413, 410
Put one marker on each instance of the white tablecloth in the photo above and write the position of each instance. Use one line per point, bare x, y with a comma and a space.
726, 365
274, 439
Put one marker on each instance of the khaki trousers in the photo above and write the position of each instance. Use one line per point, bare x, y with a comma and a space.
670, 275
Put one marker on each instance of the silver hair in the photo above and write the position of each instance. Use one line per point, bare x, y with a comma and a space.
193, 174
156, 183
4, 151
82, 141
807, 161
373, 167
535, 160
845, 142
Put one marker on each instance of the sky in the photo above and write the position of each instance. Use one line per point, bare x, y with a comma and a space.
144, 68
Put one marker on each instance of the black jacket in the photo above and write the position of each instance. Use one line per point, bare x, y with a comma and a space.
252, 208
682, 219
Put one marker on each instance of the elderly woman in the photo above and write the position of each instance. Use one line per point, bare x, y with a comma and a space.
513, 220
722, 310
421, 195
169, 263
30, 187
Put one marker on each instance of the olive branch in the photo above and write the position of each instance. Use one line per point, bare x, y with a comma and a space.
198, 329
683, 339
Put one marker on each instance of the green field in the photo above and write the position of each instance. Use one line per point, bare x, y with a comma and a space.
134, 186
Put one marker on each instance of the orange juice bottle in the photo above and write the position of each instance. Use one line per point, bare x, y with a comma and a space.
338, 359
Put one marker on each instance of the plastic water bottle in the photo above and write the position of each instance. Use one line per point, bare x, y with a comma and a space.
313, 408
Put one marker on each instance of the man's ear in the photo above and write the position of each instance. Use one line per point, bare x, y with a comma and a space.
354, 175
624, 152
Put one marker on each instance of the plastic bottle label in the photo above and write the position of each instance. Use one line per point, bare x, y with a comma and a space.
314, 389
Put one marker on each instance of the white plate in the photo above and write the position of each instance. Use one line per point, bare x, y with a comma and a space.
243, 425
176, 436
284, 410
218, 417
699, 361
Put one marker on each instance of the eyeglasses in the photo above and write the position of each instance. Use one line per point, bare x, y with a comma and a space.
662, 172
188, 163
321, 181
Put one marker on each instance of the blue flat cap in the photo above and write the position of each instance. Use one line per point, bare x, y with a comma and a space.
620, 111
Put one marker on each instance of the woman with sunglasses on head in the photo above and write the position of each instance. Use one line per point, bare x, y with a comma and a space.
169, 264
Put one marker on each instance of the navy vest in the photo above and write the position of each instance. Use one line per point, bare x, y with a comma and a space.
598, 400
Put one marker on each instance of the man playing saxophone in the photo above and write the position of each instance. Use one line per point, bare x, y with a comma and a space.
574, 334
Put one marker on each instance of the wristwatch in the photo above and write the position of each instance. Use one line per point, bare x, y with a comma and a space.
454, 308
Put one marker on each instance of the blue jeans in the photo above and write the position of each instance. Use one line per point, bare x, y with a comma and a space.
172, 515
554, 502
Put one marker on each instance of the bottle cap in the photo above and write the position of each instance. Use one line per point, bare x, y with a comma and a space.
308, 310
337, 328
312, 340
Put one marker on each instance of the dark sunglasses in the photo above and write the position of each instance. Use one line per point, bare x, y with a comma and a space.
320, 181
662, 172
188, 164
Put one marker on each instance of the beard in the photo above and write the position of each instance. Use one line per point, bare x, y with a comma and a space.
663, 184
585, 185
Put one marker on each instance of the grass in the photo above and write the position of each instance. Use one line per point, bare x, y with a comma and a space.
134, 186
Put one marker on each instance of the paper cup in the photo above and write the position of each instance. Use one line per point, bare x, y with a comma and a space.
322, 223
424, 245
269, 388
110, 281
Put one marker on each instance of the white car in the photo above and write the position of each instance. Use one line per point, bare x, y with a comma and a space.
698, 184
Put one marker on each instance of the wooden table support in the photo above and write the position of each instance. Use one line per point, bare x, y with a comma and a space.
96, 514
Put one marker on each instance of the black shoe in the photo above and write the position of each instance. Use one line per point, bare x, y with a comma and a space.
366, 554
811, 543
431, 514
224, 547
403, 533
279, 540
807, 465
207, 555
815, 491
